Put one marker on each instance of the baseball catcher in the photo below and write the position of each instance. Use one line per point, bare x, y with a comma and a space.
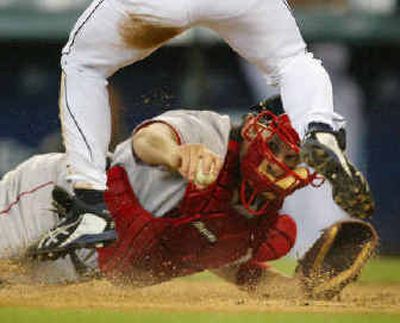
188, 192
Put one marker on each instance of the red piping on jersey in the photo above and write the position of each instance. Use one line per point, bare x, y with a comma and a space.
20, 195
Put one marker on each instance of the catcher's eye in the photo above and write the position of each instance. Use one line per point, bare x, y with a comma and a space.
292, 160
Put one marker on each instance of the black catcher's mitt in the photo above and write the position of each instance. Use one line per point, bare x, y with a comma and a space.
337, 258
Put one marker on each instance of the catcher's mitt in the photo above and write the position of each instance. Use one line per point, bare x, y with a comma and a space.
336, 258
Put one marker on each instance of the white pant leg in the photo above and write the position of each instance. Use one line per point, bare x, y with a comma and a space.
25, 215
266, 34
109, 35
25, 203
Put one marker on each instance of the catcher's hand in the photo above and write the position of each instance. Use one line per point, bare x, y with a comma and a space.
199, 164
336, 258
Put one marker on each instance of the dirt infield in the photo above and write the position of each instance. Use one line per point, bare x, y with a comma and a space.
181, 295
204, 293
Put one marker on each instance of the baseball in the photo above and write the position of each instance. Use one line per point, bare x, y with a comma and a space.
202, 179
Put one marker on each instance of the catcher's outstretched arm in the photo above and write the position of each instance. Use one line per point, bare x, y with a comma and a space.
157, 144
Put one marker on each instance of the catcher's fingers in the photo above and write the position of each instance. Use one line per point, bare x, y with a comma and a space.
207, 171
188, 154
218, 162
184, 160
192, 156
207, 163
195, 155
211, 164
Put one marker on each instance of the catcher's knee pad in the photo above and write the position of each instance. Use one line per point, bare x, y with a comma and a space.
276, 239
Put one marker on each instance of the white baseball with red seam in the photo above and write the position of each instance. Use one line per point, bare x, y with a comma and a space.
202, 179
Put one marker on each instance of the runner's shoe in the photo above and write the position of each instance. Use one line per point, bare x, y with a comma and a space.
323, 149
85, 223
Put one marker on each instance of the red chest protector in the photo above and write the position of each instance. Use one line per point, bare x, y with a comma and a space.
202, 232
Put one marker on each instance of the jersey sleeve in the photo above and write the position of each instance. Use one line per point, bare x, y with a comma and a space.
197, 127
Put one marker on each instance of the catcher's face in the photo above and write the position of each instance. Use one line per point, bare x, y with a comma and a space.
270, 161
279, 154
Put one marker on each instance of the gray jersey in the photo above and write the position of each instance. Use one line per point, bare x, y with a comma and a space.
157, 189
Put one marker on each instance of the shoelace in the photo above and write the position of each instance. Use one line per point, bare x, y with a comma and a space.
52, 236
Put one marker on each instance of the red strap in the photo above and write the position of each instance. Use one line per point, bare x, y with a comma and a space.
274, 238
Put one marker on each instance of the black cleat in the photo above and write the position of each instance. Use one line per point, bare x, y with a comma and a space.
85, 223
323, 149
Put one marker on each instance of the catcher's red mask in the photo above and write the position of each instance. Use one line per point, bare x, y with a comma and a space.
269, 166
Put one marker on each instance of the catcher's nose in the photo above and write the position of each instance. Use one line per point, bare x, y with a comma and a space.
274, 169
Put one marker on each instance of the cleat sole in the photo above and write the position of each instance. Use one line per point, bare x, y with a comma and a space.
350, 193
88, 241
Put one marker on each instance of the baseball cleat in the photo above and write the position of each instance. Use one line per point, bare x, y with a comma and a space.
83, 225
323, 149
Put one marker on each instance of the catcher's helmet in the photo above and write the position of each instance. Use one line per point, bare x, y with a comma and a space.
265, 132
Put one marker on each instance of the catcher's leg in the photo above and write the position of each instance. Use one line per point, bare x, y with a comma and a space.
25, 203
273, 240
26, 213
